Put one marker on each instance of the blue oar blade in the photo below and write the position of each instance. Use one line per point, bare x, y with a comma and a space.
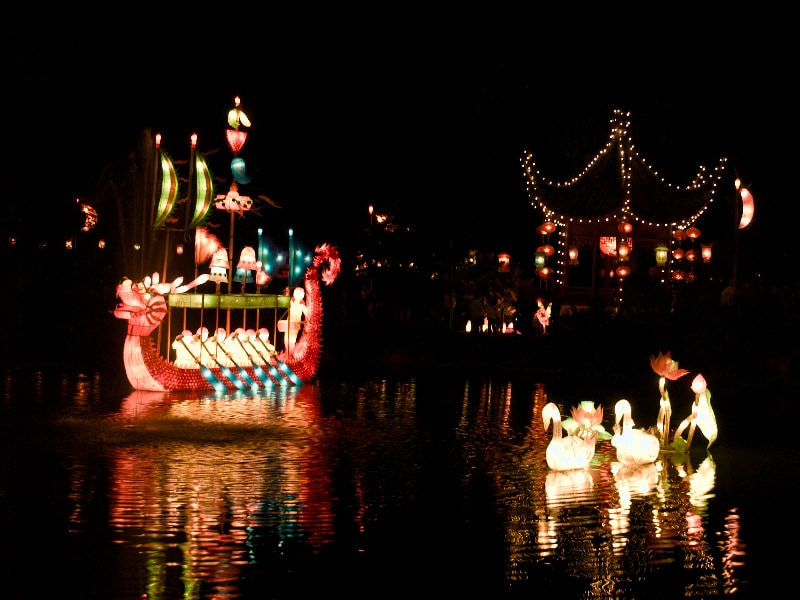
212, 379
262, 375
289, 373
277, 375
234, 379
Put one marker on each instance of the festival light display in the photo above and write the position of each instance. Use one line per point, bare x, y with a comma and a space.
220, 361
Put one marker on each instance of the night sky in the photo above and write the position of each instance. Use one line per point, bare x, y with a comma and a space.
425, 118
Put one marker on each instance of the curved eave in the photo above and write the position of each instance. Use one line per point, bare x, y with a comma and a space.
655, 201
597, 194
619, 184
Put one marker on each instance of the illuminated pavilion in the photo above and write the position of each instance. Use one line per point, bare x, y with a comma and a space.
618, 220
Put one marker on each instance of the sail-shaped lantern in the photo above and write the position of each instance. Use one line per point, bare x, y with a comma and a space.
167, 186
204, 191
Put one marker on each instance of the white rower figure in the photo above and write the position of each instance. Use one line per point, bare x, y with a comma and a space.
217, 346
298, 312
238, 350
187, 350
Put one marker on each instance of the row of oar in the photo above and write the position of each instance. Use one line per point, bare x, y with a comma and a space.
281, 374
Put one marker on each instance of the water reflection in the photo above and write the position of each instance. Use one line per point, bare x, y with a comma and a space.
366, 487
194, 516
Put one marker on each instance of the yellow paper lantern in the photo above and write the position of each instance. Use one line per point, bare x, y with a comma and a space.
662, 253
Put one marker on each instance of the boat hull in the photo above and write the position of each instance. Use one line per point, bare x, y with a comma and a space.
145, 305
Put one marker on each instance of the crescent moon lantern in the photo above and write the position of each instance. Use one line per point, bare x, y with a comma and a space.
748, 208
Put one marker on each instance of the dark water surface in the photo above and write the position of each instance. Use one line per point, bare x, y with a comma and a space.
378, 487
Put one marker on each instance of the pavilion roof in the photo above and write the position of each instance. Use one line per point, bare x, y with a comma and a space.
618, 185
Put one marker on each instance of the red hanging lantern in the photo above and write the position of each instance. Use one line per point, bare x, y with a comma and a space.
623, 271
679, 234
546, 229
624, 227
691, 254
693, 233
624, 250
678, 254
706, 252
547, 250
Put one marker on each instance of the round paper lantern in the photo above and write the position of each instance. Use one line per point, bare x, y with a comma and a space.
624, 250
693, 233
623, 271
679, 234
624, 227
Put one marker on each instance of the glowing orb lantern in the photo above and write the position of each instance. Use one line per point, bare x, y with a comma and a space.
573, 255
679, 234
547, 250
662, 253
540, 260
691, 255
504, 262
623, 271
678, 253
624, 227
693, 233
624, 250
705, 252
